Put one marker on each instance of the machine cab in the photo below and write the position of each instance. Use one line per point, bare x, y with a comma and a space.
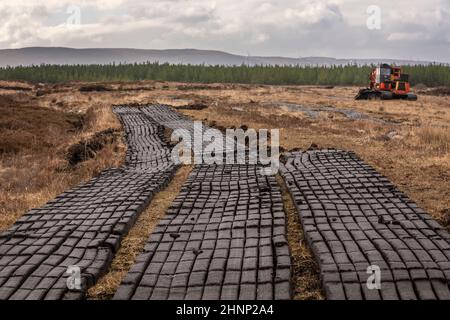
389, 78
383, 74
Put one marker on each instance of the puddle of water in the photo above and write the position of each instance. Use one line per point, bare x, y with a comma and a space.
313, 112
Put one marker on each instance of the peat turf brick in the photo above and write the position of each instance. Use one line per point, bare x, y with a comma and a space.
230, 292
83, 226
354, 218
440, 289
265, 291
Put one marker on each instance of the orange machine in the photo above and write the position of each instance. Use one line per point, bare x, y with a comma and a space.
387, 82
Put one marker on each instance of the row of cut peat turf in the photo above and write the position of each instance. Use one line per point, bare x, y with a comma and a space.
170, 118
224, 237
83, 226
354, 218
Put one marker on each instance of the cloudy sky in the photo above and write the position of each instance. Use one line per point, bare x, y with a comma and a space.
403, 29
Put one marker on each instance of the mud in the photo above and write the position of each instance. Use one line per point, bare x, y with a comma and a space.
440, 91
313, 112
95, 87
87, 149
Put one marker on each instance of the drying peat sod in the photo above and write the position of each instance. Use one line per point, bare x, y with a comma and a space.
53, 137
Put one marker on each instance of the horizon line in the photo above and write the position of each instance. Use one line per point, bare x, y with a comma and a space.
221, 51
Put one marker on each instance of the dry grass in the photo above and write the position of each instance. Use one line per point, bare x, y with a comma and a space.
434, 138
135, 241
33, 147
305, 272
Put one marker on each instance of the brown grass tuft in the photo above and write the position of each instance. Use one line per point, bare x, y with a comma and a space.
305, 272
434, 138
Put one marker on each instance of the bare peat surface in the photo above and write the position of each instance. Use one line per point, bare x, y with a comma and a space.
83, 227
354, 218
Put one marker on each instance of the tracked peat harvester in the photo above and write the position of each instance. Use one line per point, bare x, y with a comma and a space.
386, 83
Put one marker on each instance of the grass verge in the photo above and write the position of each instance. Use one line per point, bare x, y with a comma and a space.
305, 272
135, 241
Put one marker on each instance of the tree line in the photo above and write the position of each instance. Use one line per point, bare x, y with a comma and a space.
430, 75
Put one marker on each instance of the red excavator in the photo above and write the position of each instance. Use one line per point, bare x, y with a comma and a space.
386, 83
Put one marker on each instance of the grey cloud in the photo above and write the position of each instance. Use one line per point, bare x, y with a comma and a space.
288, 28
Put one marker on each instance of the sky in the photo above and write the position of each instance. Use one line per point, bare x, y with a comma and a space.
400, 29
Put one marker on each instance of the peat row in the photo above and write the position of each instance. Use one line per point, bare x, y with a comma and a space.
81, 229
172, 119
357, 223
223, 237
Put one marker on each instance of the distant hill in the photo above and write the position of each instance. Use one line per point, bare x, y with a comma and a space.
59, 55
